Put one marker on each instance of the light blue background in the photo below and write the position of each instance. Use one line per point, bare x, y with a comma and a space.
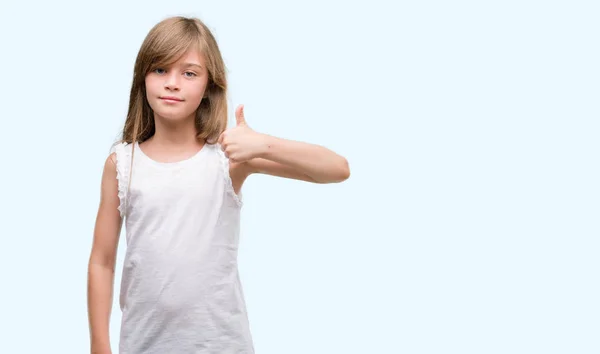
470, 221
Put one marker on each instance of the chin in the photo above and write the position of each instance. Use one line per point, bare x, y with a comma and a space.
172, 114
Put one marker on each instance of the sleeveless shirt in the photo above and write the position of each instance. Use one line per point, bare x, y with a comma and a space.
180, 288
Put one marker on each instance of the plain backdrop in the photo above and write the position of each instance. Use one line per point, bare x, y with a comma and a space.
469, 223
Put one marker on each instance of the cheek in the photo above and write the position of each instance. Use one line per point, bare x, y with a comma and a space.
152, 84
196, 92
150, 89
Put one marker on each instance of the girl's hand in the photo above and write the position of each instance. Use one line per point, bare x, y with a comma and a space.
241, 143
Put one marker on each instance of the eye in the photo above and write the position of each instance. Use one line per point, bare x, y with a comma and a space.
192, 74
159, 71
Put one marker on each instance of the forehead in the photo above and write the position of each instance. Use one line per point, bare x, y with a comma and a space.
192, 56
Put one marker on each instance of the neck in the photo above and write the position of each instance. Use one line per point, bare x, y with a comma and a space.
176, 135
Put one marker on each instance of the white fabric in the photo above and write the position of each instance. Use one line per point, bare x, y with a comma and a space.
180, 289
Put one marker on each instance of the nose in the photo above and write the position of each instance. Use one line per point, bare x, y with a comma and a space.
171, 81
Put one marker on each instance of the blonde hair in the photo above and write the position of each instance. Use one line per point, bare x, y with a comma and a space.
166, 43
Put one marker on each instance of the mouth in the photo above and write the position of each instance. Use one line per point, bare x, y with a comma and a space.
170, 99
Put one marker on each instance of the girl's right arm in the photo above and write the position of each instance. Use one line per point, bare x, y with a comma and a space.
101, 267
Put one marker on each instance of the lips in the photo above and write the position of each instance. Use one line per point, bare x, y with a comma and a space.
171, 99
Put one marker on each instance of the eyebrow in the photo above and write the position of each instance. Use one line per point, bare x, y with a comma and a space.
185, 65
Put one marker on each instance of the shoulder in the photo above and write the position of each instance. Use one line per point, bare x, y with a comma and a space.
121, 147
116, 161
116, 173
110, 166
119, 152
109, 171
111, 160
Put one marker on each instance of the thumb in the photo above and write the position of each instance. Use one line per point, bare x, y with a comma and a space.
239, 115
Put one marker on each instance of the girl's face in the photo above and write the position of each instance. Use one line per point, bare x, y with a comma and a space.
174, 92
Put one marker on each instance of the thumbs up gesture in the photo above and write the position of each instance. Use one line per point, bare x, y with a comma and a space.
241, 143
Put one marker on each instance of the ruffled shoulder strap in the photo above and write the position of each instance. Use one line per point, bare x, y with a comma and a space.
122, 152
228, 184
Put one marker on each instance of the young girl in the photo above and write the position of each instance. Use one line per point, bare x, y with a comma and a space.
176, 178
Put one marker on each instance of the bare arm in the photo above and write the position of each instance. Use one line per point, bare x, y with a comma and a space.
102, 260
292, 159
252, 152
299, 160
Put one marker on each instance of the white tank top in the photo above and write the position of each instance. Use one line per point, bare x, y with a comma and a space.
180, 288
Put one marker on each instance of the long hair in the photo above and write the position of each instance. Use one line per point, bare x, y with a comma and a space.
166, 43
